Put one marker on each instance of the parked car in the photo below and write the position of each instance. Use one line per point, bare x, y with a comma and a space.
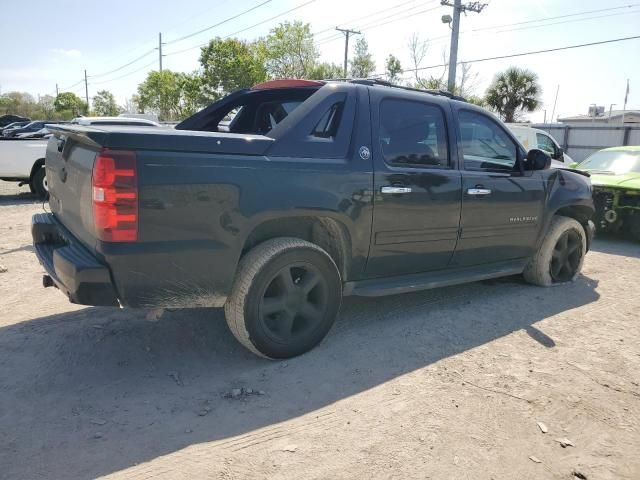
124, 121
13, 125
534, 138
22, 157
615, 176
7, 119
42, 133
28, 128
318, 190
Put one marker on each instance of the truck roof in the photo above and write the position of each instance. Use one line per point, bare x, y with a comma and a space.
300, 83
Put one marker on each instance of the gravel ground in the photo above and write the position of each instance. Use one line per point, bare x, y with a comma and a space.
443, 384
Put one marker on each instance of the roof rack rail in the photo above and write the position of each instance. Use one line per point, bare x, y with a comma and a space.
384, 83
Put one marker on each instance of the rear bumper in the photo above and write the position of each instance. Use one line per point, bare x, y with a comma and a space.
72, 268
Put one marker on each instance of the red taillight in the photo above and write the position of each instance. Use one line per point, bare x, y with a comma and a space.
115, 196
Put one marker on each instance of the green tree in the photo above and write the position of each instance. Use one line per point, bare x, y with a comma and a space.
325, 71
392, 68
513, 92
289, 51
46, 107
104, 103
17, 103
229, 65
172, 95
68, 102
476, 100
362, 64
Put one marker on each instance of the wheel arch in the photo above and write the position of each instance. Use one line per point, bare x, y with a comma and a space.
328, 233
581, 213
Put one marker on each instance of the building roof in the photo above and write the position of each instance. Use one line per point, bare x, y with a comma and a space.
605, 116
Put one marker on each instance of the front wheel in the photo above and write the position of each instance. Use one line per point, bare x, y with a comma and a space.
561, 255
285, 298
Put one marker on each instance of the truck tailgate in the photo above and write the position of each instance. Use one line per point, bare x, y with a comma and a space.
69, 165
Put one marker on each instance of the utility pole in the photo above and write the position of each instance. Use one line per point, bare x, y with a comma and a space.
160, 51
555, 101
57, 93
346, 32
458, 8
86, 89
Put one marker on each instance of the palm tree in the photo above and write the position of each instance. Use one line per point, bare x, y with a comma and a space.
512, 92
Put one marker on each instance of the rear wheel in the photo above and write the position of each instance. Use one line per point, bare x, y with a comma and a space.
38, 183
561, 255
285, 298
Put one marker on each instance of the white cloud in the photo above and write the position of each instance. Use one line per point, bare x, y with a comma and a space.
71, 53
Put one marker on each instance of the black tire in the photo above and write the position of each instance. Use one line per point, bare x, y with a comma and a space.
38, 183
285, 298
561, 255
634, 225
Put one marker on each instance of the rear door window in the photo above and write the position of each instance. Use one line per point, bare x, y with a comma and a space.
413, 134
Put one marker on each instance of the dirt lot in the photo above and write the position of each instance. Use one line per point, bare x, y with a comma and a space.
444, 384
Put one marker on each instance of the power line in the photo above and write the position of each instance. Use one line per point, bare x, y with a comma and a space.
149, 52
246, 28
375, 24
522, 54
126, 74
331, 29
137, 59
558, 16
71, 86
219, 23
494, 27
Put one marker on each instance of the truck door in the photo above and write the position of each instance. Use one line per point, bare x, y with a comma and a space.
417, 189
501, 206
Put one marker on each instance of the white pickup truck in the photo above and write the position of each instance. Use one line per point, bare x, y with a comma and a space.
22, 159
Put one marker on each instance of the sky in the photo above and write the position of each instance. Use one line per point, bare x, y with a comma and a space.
115, 41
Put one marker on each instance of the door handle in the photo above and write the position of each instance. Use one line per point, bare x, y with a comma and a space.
478, 191
395, 190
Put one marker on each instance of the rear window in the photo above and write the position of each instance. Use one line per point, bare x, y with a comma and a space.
269, 114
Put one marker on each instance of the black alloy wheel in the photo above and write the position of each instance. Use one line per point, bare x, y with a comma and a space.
566, 258
294, 302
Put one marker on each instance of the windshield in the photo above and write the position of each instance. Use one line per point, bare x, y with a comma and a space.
613, 162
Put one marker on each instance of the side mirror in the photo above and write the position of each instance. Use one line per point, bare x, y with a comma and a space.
538, 159
559, 154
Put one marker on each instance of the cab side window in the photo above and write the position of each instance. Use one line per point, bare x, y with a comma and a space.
485, 146
413, 134
545, 143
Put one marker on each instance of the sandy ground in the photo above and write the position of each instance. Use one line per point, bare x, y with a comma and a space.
443, 384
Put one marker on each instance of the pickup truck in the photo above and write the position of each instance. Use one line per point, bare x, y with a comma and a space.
22, 159
315, 190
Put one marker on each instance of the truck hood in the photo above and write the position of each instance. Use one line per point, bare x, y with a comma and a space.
629, 180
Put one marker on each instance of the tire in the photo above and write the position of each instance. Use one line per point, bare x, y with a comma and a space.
634, 225
38, 183
556, 261
285, 298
